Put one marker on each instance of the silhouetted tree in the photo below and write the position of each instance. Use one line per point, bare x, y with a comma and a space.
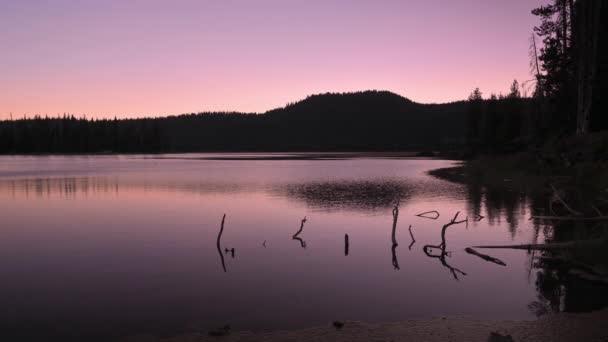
474, 116
557, 57
592, 64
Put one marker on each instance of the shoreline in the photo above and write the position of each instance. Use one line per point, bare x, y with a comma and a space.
561, 327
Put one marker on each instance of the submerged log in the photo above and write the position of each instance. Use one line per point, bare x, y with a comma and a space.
598, 243
484, 256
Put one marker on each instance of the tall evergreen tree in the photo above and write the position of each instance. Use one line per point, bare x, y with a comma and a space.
557, 59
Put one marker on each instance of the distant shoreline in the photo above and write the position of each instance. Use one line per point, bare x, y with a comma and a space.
254, 155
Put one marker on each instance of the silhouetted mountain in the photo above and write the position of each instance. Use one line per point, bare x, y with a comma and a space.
362, 121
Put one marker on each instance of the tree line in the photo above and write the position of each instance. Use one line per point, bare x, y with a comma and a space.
362, 121
568, 61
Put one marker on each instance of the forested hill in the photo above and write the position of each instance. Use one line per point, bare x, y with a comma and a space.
362, 121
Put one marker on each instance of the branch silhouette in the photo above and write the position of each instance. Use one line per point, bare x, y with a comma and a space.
428, 249
219, 248
395, 262
427, 214
296, 237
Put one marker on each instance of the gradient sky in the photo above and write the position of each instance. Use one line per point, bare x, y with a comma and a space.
150, 57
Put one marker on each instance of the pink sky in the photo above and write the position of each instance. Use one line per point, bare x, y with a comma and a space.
133, 58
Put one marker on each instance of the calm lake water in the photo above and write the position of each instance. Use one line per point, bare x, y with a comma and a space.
110, 246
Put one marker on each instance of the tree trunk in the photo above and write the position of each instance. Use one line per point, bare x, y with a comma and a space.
588, 29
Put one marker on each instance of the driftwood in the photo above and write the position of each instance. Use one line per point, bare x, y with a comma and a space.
427, 213
484, 256
219, 248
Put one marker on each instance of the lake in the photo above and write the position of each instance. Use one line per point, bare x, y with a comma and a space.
110, 246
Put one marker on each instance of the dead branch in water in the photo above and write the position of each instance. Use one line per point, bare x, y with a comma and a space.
302, 242
413, 240
442, 254
219, 248
231, 251
484, 256
394, 255
426, 214
346, 244
478, 218
395, 216
427, 249
295, 236
300, 230
454, 220
394, 261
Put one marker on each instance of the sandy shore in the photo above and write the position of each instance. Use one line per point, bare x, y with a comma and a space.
585, 327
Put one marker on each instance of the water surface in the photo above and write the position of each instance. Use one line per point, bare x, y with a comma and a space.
109, 246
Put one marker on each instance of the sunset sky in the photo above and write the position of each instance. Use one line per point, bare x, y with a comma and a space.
131, 58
